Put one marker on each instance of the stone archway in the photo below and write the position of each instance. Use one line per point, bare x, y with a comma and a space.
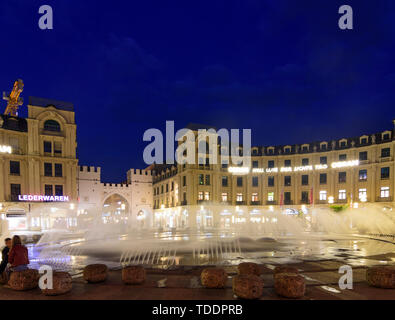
115, 209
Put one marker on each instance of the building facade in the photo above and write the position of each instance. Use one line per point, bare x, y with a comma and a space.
38, 166
347, 172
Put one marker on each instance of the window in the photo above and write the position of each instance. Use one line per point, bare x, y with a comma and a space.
362, 195
48, 169
207, 179
254, 197
287, 197
58, 190
239, 197
342, 177
59, 171
48, 190
322, 195
386, 136
47, 147
270, 181
342, 195
224, 197
363, 175
15, 191
270, 196
324, 146
342, 157
287, 181
239, 181
15, 168
224, 181
343, 144
172, 185
385, 173
364, 140
255, 164
161, 188
184, 181
385, 152
224, 166
167, 187
254, 181
57, 148
385, 192
184, 197
363, 156
254, 152
201, 179
305, 196
305, 148
305, 162
51, 125
270, 164
323, 160
305, 180
287, 163
207, 196
322, 178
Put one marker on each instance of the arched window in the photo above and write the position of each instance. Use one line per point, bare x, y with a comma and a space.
52, 125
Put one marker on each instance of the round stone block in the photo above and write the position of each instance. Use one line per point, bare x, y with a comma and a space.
289, 285
247, 286
381, 277
24, 280
61, 284
133, 275
248, 268
213, 278
284, 269
95, 273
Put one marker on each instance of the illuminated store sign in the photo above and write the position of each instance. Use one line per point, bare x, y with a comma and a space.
5, 149
40, 198
340, 164
239, 170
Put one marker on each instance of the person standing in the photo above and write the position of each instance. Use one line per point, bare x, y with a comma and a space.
4, 254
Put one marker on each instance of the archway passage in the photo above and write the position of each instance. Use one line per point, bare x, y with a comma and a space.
115, 209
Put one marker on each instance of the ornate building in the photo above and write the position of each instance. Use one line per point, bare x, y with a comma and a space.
38, 164
348, 172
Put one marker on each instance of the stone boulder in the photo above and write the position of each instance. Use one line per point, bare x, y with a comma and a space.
248, 268
289, 285
133, 275
61, 284
24, 280
284, 269
213, 278
381, 277
247, 286
94, 273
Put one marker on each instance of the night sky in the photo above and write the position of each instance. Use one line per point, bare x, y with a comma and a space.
282, 68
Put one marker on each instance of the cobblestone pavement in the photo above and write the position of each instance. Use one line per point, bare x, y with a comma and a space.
183, 284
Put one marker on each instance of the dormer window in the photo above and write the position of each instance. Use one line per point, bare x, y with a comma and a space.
52, 125
386, 135
270, 150
287, 150
324, 146
305, 148
255, 151
343, 143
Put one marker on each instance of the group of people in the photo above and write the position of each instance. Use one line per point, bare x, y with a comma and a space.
14, 256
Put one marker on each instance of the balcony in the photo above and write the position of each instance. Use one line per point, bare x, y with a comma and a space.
273, 202
305, 201
341, 201
255, 203
240, 203
225, 203
288, 202
204, 202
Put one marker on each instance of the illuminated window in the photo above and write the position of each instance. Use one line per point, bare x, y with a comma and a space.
322, 195
385, 192
270, 196
254, 197
224, 197
342, 195
207, 196
362, 194
239, 197
200, 195
363, 175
